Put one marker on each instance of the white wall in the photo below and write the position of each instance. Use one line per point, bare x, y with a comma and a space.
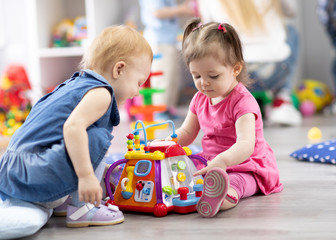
13, 33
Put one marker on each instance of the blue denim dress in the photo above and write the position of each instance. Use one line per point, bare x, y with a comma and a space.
36, 166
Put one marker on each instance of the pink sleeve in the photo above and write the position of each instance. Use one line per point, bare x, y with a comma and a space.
193, 103
246, 104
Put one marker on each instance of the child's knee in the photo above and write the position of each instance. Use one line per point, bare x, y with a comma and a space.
22, 219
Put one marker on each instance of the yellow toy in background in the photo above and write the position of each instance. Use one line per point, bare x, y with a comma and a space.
313, 96
314, 134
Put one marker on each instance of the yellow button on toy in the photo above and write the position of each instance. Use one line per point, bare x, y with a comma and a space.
181, 177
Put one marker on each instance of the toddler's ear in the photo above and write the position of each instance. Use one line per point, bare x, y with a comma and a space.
237, 68
118, 69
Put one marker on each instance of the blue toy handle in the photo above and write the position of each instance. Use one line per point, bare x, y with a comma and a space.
136, 130
108, 174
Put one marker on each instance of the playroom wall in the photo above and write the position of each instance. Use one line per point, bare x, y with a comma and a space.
315, 58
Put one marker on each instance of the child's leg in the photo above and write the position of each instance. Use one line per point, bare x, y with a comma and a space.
222, 191
242, 185
20, 219
81, 214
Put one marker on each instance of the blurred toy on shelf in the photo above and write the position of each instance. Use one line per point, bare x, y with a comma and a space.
14, 84
14, 102
143, 109
69, 32
156, 177
313, 96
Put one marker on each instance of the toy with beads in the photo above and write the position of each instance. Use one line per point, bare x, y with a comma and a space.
157, 177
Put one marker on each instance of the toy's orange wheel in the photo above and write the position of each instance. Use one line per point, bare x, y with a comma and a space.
160, 210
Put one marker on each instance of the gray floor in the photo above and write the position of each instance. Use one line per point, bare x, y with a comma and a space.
306, 209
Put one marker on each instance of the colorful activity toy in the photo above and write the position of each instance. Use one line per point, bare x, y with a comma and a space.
156, 177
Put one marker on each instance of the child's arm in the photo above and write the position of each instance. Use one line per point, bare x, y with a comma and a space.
93, 105
187, 133
238, 152
184, 9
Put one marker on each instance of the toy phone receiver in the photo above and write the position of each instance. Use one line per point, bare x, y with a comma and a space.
157, 177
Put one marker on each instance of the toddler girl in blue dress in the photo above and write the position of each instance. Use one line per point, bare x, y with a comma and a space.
58, 151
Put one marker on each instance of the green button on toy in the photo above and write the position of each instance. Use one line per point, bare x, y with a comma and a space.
181, 165
168, 190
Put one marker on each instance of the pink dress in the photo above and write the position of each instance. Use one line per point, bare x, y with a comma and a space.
218, 125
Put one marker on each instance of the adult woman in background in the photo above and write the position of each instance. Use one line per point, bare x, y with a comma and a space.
270, 45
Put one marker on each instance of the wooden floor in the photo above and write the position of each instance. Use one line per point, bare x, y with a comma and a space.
306, 209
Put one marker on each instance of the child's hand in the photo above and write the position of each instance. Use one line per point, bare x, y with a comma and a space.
211, 164
186, 8
89, 190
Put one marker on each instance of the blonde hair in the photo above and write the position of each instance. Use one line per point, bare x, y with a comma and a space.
245, 16
206, 40
113, 44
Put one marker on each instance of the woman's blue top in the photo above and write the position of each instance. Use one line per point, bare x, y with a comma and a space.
36, 166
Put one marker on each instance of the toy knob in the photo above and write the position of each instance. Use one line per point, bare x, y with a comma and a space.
198, 188
146, 191
183, 191
139, 186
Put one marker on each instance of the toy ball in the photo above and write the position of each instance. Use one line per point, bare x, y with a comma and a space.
307, 108
314, 91
314, 134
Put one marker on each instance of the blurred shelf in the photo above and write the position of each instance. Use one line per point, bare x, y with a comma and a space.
61, 52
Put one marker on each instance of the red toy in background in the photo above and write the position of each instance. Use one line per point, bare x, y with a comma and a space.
14, 103
14, 83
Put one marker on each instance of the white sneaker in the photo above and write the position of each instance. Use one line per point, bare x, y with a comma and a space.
330, 109
285, 114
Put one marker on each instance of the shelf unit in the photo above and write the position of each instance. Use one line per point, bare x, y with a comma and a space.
48, 66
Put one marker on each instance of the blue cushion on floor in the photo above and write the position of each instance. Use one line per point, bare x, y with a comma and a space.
324, 152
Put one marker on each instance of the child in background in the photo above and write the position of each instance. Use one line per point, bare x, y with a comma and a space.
326, 11
161, 21
59, 149
240, 162
271, 48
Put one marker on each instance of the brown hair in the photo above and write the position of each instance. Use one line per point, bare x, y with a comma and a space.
113, 44
203, 40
